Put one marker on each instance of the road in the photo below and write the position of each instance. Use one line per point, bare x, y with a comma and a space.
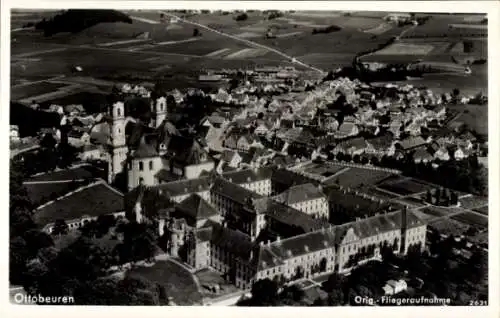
246, 41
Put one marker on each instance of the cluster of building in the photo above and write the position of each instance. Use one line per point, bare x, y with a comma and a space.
243, 225
236, 204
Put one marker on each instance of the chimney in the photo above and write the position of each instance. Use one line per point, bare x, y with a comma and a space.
278, 239
268, 242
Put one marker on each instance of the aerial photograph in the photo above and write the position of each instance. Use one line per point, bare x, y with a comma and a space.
248, 158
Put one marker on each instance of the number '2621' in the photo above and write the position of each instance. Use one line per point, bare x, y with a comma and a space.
478, 303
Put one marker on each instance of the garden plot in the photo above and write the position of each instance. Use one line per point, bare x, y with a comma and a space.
449, 227
473, 201
406, 49
405, 187
472, 219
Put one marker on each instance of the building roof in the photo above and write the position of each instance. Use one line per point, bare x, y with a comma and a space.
382, 142
194, 206
412, 142
249, 175
289, 178
92, 200
145, 149
183, 187
300, 193
233, 191
232, 241
292, 217
356, 143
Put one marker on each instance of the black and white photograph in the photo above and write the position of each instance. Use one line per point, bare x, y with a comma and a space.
248, 157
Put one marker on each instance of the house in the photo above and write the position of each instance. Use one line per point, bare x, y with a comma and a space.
214, 138
74, 110
56, 109
14, 133
231, 141
411, 143
78, 138
214, 120
91, 152
459, 153
355, 146
245, 142
231, 158
380, 146
414, 128
347, 129
263, 127
439, 152
421, 155
393, 287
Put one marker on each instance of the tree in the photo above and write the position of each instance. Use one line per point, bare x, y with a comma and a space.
356, 158
453, 198
196, 32
292, 294
333, 282
335, 298
264, 293
60, 227
428, 196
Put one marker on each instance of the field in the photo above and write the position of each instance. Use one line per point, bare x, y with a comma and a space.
178, 282
405, 187
472, 219
358, 177
35, 89
325, 171
483, 210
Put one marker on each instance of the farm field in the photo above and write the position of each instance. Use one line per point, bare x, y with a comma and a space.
472, 219
358, 177
178, 282
92, 102
35, 89
437, 25
483, 210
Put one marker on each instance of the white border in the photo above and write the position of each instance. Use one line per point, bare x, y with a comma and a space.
489, 7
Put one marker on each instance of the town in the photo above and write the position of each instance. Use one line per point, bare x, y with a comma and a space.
279, 185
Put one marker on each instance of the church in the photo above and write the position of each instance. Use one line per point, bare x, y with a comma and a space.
152, 154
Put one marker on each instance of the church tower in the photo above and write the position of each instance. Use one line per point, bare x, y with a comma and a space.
117, 142
160, 110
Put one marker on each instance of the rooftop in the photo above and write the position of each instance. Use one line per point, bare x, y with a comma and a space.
92, 200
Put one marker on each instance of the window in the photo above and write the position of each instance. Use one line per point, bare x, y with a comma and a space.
151, 165
141, 166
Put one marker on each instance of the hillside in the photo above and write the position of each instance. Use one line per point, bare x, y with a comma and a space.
77, 20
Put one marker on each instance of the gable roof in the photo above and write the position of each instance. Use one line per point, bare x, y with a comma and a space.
182, 187
287, 215
249, 175
300, 193
91, 200
233, 191
412, 142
